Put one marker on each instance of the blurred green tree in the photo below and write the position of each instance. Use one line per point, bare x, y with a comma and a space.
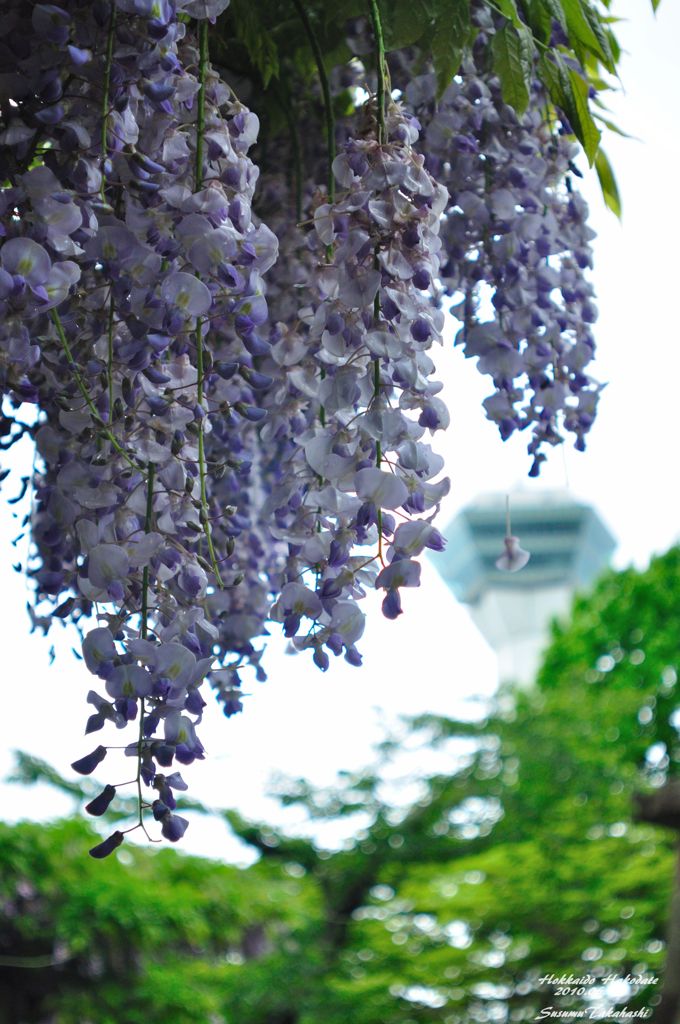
517, 860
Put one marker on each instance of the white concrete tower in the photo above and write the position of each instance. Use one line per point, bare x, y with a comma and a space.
569, 546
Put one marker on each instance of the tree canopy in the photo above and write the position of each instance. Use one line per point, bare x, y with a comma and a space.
522, 860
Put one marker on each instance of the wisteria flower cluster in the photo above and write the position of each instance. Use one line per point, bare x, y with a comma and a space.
234, 409
517, 240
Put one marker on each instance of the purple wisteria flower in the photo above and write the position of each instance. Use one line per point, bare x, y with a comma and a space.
234, 419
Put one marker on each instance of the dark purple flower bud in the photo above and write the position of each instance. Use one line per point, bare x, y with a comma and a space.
367, 514
149, 165
51, 89
338, 553
50, 115
422, 279
127, 707
389, 308
161, 688
353, 657
421, 330
391, 606
194, 702
259, 381
158, 91
151, 724
107, 847
244, 325
148, 770
250, 412
147, 186
184, 754
164, 753
334, 643
411, 237
321, 659
174, 827
429, 418
100, 803
79, 56
224, 369
334, 323
291, 624
171, 558
159, 810
416, 502
232, 704
86, 765
256, 346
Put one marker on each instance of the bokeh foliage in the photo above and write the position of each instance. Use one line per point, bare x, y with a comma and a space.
519, 860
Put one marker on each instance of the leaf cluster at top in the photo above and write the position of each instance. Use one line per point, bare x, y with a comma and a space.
569, 45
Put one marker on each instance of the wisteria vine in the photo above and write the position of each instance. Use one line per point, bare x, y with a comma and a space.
231, 374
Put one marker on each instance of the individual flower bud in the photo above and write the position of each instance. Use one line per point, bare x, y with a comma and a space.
101, 803
86, 765
174, 827
514, 557
107, 847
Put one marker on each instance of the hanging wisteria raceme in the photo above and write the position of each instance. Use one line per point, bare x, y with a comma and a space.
517, 246
152, 199
372, 325
224, 440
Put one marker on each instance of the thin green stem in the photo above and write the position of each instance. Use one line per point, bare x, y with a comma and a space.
203, 55
138, 779
379, 67
144, 632
82, 387
147, 529
107, 86
326, 92
205, 513
109, 367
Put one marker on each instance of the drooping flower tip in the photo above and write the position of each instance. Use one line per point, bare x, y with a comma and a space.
514, 557
107, 847
86, 765
100, 804
174, 827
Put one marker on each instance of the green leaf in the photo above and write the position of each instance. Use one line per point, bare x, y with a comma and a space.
405, 22
602, 37
512, 53
451, 33
553, 73
610, 190
655, 5
569, 92
586, 130
615, 128
556, 11
580, 25
540, 19
508, 8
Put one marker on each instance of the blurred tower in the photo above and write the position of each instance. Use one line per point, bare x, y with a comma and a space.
569, 546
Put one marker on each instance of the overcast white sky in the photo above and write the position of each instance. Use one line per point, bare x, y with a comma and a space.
304, 723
